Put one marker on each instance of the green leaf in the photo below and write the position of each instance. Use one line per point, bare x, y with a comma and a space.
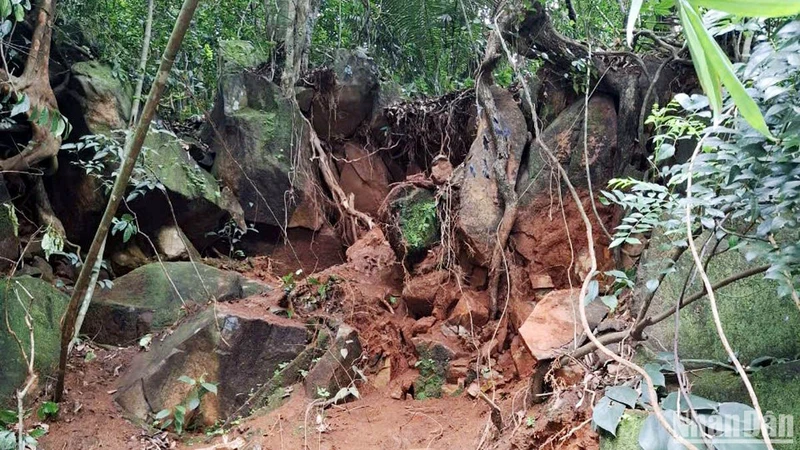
739, 441
592, 291
722, 69
193, 402
210, 387
47, 409
623, 394
708, 79
5, 8
652, 285
22, 106
633, 14
7, 416
654, 371
187, 380
606, 414
19, 13
750, 8
698, 403
163, 414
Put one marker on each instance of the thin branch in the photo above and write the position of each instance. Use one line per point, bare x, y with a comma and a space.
713, 300
148, 33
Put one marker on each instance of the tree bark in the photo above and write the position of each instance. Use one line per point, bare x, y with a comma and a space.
132, 150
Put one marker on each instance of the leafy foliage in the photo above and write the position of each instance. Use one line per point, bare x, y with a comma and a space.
181, 416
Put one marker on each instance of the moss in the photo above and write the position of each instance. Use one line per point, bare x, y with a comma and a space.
756, 320
419, 223
432, 365
46, 305
238, 54
176, 170
777, 388
627, 433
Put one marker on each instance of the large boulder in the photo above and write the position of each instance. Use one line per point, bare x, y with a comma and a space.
227, 345
45, 305
480, 208
364, 175
757, 322
555, 323
350, 101
196, 198
261, 143
411, 219
564, 137
95, 101
155, 296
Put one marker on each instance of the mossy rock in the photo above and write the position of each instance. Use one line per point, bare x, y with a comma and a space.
9, 228
155, 296
756, 320
627, 437
262, 145
777, 387
103, 101
236, 55
432, 364
46, 305
413, 221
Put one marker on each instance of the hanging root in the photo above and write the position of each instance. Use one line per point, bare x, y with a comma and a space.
352, 217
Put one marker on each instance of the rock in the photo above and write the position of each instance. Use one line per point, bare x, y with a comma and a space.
548, 248
234, 348
427, 293
402, 385
433, 365
423, 325
128, 258
46, 305
480, 211
199, 203
384, 376
411, 221
350, 102
261, 144
541, 281
555, 322
364, 175
441, 169
564, 137
757, 322
523, 360
173, 245
9, 228
372, 255
147, 300
627, 437
335, 369
95, 101
471, 311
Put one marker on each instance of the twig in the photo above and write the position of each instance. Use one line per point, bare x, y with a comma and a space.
713, 300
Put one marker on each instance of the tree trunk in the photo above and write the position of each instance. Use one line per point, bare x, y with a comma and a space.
132, 150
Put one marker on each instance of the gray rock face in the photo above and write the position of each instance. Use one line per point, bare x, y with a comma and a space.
480, 208
564, 137
261, 143
153, 297
354, 94
334, 370
234, 348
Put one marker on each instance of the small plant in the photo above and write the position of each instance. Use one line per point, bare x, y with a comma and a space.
9, 420
232, 234
430, 381
47, 410
289, 281
181, 416
125, 225
322, 392
530, 422
419, 223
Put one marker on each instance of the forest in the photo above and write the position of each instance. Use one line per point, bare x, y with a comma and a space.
399, 224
